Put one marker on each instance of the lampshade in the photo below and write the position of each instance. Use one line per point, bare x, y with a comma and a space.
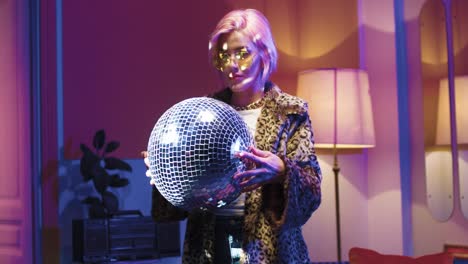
443, 116
344, 92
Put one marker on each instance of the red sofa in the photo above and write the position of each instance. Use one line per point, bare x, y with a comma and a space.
367, 256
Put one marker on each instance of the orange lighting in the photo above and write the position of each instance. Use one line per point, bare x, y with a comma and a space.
443, 114
346, 93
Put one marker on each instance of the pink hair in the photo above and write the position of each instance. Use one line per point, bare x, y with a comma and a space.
253, 24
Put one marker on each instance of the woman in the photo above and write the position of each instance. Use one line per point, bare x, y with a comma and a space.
282, 189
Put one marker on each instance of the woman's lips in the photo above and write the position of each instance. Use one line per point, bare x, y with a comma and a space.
236, 77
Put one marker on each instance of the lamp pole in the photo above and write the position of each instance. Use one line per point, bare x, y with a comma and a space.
336, 168
336, 171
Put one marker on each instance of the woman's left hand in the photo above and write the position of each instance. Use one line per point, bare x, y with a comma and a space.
268, 168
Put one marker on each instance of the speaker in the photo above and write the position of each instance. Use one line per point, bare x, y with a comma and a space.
126, 235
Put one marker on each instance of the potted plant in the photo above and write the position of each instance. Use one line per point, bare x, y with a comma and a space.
98, 166
100, 238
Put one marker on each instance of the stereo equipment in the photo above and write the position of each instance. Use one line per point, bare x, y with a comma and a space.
126, 235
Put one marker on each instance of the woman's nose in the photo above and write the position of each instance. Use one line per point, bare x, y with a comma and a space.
233, 61
233, 64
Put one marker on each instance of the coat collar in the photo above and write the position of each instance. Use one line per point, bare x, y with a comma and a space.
276, 99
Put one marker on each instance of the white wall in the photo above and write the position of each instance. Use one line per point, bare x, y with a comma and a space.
429, 235
377, 51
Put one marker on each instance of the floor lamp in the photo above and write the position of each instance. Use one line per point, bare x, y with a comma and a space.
341, 114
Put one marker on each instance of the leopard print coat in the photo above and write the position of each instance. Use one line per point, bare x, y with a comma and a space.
274, 213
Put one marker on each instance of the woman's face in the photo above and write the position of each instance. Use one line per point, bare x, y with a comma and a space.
238, 61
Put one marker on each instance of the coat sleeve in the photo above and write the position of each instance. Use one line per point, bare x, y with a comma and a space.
291, 204
164, 211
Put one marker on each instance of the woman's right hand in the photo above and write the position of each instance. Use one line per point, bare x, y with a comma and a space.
144, 154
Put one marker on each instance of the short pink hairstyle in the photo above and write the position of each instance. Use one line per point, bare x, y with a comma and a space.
254, 25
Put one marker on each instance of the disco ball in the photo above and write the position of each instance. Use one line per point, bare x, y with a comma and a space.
191, 153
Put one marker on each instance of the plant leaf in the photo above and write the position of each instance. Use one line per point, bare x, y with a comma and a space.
116, 164
84, 148
101, 179
91, 200
111, 146
116, 181
110, 202
89, 161
99, 139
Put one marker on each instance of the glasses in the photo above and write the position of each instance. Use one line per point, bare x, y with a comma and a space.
242, 57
